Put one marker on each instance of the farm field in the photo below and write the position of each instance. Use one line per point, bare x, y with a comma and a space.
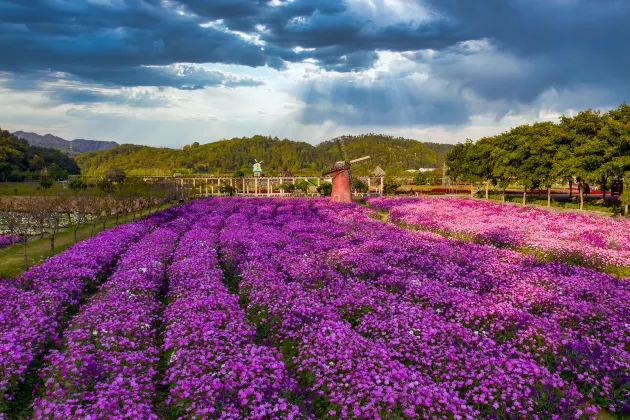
265, 308
601, 242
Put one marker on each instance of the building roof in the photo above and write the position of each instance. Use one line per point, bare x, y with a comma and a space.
378, 171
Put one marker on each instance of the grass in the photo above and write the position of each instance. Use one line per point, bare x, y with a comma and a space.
27, 188
12, 258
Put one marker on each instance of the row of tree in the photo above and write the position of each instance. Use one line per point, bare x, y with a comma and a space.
589, 148
85, 204
278, 156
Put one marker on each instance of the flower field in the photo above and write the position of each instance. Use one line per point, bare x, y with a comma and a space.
8, 240
596, 241
301, 309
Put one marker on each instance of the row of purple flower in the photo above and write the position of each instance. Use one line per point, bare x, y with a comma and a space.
8, 240
380, 321
321, 311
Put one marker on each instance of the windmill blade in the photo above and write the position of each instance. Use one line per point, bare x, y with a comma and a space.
350, 180
342, 148
360, 160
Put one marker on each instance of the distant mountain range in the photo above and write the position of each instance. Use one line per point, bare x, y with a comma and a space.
70, 147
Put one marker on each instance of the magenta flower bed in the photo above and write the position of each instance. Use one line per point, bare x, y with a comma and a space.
299, 308
384, 322
32, 307
599, 241
215, 369
8, 240
109, 354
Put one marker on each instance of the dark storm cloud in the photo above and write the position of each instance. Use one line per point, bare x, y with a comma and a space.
110, 43
531, 47
381, 102
99, 40
89, 96
538, 45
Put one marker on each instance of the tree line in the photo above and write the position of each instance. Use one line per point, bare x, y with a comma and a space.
86, 203
589, 148
224, 157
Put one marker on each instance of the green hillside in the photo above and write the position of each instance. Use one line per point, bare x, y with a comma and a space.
19, 160
227, 156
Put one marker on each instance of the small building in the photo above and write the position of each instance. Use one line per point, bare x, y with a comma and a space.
115, 175
378, 172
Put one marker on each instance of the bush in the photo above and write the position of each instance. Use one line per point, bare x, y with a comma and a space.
420, 179
46, 183
105, 185
287, 187
359, 185
77, 184
301, 185
325, 188
15, 176
227, 189
390, 185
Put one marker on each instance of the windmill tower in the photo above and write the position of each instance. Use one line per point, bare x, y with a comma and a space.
342, 174
257, 168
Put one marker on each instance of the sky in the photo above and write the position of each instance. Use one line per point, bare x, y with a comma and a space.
171, 72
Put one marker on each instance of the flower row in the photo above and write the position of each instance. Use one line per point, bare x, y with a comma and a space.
214, 367
108, 358
34, 306
8, 240
490, 328
599, 241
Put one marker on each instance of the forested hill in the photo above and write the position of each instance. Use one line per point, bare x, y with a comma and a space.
19, 160
227, 156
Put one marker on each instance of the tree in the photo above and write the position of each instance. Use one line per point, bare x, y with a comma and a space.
536, 152
615, 137
580, 132
625, 196
54, 218
56, 173
481, 163
287, 187
359, 185
461, 164
420, 178
24, 230
325, 188
39, 208
227, 189
77, 209
239, 174
9, 216
301, 185
390, 185
506, 166
46, 183
105, 185
78, 184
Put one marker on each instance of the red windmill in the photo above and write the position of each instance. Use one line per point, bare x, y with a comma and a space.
342, 174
